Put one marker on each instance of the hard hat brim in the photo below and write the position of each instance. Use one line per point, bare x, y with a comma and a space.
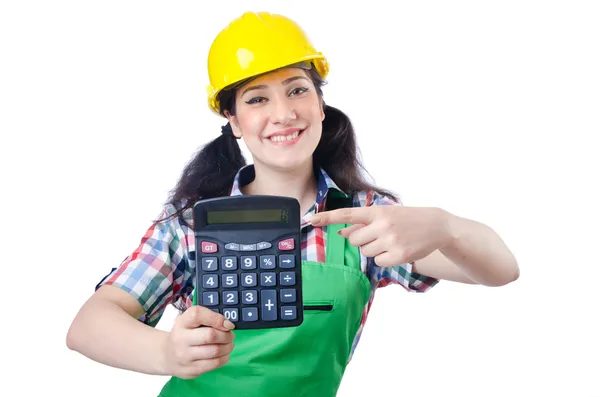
317, 62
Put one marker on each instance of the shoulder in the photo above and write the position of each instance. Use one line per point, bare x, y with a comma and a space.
174, 216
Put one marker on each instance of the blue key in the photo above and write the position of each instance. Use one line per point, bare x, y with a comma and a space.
287, 295
287, 278
249, 297
229, 280
248, 262
210, 263
248, 279
249, 314
230, 297
231, 314
210, 298
288, 312
229, 263
268, 279
287, 261
268, 304
267, 261
210, 281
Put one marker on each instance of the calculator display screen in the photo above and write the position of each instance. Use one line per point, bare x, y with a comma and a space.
246, 216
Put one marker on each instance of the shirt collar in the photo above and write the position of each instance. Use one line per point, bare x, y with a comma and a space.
324, 184
247, 174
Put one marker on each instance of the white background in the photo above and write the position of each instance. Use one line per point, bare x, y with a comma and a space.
492, 108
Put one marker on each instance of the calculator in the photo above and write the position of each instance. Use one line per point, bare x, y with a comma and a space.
248, 260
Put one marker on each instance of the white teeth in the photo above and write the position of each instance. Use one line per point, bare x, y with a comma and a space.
282, 138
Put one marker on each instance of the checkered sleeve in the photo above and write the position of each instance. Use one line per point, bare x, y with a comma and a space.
154, 272
401, 274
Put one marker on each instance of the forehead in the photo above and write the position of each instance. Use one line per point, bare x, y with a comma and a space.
275, 77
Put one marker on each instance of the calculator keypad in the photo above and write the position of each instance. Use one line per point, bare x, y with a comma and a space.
250, 286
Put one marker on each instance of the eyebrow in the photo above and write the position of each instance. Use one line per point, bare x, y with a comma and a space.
284, 82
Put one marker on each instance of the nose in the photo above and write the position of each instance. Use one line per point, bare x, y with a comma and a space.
283, 112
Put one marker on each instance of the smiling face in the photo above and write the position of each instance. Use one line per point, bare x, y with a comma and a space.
279, 116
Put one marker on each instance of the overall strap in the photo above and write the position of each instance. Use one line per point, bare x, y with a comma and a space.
339, 250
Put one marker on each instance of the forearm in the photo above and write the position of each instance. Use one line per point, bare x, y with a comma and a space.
104, 332
479, 252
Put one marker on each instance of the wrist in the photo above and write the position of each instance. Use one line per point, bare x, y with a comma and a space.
450, 226
162, 366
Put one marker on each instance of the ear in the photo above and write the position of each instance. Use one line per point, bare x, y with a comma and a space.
235, 127
322, 110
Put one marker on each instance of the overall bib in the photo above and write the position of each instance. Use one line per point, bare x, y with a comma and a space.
308, 360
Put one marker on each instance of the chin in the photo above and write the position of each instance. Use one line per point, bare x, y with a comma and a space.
288, 164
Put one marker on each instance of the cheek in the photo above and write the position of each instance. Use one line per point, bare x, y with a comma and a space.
310, 111
252, 123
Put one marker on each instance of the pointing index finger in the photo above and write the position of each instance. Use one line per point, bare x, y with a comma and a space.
343, 215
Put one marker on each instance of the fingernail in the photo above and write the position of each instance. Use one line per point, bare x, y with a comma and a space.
339, 232
228, 324
314, 219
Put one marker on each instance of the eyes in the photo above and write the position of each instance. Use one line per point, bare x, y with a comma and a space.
294, 92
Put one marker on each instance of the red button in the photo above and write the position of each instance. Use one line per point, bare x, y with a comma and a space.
208, 247
286, 245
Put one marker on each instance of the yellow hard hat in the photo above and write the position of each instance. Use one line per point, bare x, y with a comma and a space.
256, 43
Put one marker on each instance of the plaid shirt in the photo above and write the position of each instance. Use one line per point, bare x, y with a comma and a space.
161, 270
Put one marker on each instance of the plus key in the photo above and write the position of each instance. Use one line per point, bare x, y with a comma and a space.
268, 300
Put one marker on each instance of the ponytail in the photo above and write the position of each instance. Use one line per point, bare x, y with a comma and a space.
338, 154
210, 173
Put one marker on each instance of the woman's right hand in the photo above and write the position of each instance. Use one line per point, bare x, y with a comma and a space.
191, 350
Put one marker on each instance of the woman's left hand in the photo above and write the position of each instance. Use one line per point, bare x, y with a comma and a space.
392, 234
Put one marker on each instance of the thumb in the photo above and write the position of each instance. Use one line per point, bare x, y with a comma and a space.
197, 316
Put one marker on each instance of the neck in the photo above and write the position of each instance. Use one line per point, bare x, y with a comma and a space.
299, 183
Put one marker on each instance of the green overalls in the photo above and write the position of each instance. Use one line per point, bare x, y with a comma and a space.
308, 360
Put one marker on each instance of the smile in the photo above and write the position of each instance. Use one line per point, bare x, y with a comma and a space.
283, 138
286, 139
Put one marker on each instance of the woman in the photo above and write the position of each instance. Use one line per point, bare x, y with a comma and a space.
266, 80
